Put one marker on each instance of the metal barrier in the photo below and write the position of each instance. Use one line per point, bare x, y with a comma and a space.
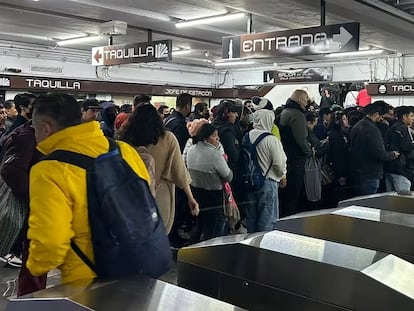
138, 294
376, 229
389, 201
284, 271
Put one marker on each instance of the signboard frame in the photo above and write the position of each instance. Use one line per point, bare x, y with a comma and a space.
293, 42
143, 52
299, 75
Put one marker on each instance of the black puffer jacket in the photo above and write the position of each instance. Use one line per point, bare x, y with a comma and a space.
399, 139
367, 152
228, 140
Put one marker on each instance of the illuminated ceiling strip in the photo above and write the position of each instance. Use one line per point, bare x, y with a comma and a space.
78, 40
210, 20
356, 53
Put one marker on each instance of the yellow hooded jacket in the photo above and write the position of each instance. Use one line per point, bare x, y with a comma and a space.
58, 202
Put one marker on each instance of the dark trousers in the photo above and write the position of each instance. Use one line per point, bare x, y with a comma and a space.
211, 220
294, 189
182, 219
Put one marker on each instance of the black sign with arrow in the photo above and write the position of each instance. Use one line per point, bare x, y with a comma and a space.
305, 41
143, 52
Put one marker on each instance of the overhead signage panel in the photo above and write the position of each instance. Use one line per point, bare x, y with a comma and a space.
16, 82
391, 89
314, 74
145, 52
295, 42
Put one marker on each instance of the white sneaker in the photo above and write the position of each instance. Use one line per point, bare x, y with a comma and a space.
5, 259
14, 261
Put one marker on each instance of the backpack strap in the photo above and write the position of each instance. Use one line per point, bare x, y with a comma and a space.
83, 257
82, 161
168, 121
257, 142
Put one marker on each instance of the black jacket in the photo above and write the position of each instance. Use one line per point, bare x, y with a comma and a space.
399, 139
177, 124
229, 141
367, 152
294, 133
321, 147
20, 120
338, 152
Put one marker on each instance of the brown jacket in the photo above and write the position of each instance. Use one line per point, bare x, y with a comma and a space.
170, 170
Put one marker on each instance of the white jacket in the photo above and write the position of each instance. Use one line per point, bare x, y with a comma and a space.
270, 150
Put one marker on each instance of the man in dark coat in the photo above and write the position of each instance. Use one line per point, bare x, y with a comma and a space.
23, 103
398, 175
367, 152
176, 122
294, 133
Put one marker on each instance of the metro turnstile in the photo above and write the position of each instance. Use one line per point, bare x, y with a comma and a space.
376, 229
273, 270
390, 201
127, 295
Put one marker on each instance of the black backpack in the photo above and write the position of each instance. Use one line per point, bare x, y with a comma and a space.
128, 235
249, 174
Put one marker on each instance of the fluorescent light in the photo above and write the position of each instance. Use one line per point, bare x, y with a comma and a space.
181, 52
231, 64
210, 20
356, 53
78, 40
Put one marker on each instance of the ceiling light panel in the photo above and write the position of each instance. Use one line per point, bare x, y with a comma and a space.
210, 20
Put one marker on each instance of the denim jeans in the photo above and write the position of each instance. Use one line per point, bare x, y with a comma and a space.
394, 182
367, 186
263, 208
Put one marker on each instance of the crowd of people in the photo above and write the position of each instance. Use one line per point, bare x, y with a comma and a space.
194, 161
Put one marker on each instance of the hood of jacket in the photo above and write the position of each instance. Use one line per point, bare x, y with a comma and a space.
108, 116
263, 120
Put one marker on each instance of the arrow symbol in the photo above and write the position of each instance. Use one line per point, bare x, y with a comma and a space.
97, 56
343, 37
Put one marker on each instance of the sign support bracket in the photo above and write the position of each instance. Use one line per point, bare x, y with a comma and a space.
250, 23
323, 12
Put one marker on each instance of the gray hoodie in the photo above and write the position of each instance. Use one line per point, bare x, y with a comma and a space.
270, 150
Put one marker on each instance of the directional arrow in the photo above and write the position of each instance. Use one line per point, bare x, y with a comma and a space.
343, 37
97, 56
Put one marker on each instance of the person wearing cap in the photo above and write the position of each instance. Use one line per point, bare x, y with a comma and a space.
90, 110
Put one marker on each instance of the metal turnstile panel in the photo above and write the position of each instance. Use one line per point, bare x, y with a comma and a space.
126, 295
376, 229
390, 201
315, 274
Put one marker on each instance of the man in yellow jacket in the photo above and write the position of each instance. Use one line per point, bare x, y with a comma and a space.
58, 194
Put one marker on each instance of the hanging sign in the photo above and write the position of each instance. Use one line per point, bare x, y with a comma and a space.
314, 74
391, 88
132, 53
295, 42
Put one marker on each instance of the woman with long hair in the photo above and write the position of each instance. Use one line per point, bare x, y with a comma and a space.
145, 128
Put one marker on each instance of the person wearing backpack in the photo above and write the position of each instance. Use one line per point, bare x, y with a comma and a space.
62, 197
269, 160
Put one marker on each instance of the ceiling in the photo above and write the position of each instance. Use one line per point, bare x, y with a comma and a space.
41, 23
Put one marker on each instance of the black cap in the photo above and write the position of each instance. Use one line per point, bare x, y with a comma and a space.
91, 103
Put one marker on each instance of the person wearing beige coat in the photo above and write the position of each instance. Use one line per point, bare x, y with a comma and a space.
144, 128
